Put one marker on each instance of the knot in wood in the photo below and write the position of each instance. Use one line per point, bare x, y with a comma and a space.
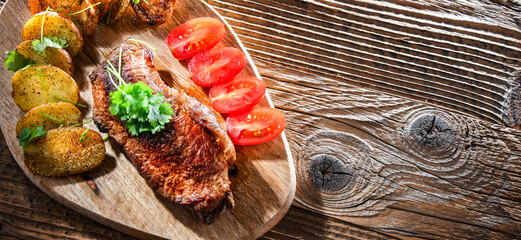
432, 131
329, 174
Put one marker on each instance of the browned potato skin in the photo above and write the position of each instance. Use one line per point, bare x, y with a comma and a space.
87, 20
29, 92
60, 153
116, 10
64, 111
155, 12
103, 8
53, 56
57, 25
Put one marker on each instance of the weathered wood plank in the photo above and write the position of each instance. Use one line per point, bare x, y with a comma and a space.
463, 56
384, 162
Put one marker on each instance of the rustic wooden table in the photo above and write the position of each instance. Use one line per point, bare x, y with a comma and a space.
401, 116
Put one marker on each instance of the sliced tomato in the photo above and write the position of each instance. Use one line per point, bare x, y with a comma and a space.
195, 36
256, 126
216, 66
238, 95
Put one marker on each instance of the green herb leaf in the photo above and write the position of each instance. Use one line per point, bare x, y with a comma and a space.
45, 115
82, 123
137, 1
83, 135
65, 100
80, 2
49, 41
141, 109
28, 134
16, 61
40, 75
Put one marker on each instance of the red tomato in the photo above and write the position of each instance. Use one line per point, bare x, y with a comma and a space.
238, 95
256, 126
216, 66
195, 36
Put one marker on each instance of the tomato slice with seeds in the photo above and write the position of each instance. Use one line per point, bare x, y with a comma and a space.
238, 95
256, 126
216, 66
195, 36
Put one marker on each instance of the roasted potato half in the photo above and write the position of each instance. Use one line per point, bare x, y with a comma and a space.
50, 116
116, 10
53, 56
86, 19
30, 91
154, 12
64, 152
56, 25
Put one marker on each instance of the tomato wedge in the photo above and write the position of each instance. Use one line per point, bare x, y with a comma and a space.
216, 66
195, 36
256, 126
238, 95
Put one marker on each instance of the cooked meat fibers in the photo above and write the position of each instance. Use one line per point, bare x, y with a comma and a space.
188, 161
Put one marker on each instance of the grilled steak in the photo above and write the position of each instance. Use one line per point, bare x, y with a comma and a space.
154, 12
188, 161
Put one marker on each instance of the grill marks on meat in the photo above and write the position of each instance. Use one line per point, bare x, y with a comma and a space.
188, 161
154, 12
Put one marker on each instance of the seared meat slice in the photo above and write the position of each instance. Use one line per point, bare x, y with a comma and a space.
154, 12
188, 161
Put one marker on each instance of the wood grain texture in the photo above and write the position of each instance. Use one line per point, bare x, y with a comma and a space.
459, 55
376, 165
114, 193
395, 165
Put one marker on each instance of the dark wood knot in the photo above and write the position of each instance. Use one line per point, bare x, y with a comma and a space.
433, 131
433, 135
336, 175
329, 174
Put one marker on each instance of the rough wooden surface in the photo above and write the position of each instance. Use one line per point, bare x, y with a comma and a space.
114, 193
398, 116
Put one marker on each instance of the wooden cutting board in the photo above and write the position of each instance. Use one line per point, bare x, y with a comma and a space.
114, 193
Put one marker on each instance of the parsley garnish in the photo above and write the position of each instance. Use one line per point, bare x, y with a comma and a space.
28, 134
39, 45
137, 105
55, 42
140, 108
16, 61
137, 1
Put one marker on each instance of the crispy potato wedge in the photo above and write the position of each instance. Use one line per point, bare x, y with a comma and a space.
64, 114
87, 20
56, 25
30, 91
53, 56
116, 10
64, 152
103, 8
154, 12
